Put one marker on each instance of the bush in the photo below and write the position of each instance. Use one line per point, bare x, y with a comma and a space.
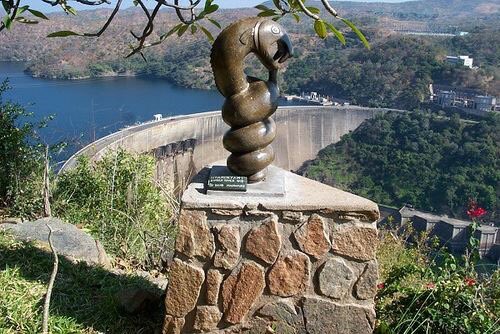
118, 201
434, 292
21, 160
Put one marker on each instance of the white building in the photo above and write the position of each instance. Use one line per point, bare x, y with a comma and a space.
461, 60
158, 117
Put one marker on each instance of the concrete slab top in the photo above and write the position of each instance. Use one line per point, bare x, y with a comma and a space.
301, 194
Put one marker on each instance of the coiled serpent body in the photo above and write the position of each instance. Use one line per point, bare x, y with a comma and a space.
250, 102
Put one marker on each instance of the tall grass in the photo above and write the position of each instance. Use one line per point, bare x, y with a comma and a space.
118, 200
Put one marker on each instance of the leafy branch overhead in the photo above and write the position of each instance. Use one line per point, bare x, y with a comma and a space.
193, 16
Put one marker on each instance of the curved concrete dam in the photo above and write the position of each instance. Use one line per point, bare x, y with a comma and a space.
183, 145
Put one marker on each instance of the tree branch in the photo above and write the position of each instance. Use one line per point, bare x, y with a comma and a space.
307, 11
46, 306
177, 6
46, 186
108, 22
329, 8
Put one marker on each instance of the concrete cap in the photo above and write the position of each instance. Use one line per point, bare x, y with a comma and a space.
301, 194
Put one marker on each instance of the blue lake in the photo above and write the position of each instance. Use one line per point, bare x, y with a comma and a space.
85, 110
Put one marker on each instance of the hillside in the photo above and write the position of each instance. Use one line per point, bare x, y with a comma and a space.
431, 162
345, 71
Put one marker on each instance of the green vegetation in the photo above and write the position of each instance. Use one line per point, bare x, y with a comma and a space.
397, 72
83, 300
117, 200
432, 162
427, 290
21, 160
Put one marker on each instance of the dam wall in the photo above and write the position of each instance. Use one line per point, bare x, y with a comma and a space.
183, 145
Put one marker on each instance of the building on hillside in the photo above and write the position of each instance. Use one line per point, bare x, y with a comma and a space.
446, 98
485, 103
452, 233
460, 60
467, 100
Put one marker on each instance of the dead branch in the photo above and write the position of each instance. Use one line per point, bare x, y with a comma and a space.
46, 306
47, 212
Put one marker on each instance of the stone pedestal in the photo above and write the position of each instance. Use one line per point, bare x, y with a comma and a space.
299, 263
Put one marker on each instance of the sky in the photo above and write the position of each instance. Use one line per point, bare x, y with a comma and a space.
38, 4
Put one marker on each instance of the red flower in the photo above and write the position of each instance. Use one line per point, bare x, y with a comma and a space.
430, 285
469, 281
381, 285
475, 211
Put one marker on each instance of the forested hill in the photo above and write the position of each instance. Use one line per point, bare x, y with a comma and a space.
396, 72
434, 163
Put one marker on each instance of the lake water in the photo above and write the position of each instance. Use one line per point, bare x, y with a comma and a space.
85, 110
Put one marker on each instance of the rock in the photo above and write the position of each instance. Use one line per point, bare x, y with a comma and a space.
312, 237
325, 317
172, 325
355, 242
137, 300
228, 246
289, 276
366, 286
183, 288
68, 240
207, 318
240, 291
221, 212
335, 279
264, 241
213, 283
194, 237
293, 216
282, 311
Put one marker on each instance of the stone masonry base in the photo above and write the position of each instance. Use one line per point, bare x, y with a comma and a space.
302, 263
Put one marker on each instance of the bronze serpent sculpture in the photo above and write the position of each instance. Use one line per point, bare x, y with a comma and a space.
250, 101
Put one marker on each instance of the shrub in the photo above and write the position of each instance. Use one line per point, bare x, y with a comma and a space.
425, 291
117, 200
21, 160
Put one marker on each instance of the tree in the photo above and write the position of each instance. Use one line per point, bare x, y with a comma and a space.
192, 14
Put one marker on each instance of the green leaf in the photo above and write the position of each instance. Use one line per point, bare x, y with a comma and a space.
262, 8
208, 34
208, 3
7, 21
21, 10
6, 5
215, 23
337, 33
38, 14
24, 20
63, 33
296, 17
69, 9
267, 13
357, 32
320, 28
171, 31
276, 3
211, 9
182, 30
194, 29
